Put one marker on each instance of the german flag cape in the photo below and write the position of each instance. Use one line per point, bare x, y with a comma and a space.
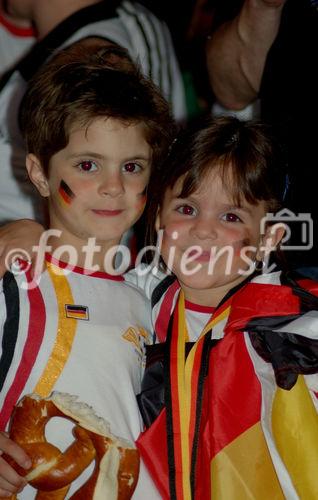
240, 417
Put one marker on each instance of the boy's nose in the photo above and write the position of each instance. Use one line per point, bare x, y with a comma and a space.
111, 185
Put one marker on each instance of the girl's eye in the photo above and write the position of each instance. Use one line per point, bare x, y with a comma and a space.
87, 166
186, 210
131, 167
230, 217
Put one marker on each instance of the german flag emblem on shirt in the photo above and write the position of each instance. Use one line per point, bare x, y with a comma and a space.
76, 312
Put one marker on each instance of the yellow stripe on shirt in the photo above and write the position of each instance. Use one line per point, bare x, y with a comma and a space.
66, 330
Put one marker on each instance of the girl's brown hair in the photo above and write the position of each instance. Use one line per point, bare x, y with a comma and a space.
250, 163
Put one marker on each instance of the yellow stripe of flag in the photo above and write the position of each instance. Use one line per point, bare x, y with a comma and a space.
295, 429
183, 400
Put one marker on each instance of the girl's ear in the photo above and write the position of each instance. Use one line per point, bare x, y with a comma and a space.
271, 239
37, 175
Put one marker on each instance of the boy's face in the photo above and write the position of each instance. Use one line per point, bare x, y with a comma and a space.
96, 184
197, 228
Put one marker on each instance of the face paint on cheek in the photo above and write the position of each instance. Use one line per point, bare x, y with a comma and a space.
239, 245
66, 194
141, 202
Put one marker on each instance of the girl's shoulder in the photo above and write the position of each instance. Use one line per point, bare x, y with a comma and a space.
273, 278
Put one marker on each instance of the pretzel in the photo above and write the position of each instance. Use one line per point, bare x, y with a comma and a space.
115, 474
52, 472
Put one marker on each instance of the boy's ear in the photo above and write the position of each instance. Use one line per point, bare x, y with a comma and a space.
37, 175
272, 237
158, 222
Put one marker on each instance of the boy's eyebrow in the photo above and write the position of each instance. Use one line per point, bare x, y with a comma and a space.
93, 154
85, 153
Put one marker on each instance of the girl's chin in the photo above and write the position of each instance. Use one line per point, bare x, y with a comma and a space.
200, 281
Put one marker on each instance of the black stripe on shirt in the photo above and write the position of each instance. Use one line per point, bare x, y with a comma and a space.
11, 325
144, 36
160, 289
169, 49
156, 35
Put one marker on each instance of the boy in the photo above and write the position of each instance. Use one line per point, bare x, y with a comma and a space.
93, 131
59, 24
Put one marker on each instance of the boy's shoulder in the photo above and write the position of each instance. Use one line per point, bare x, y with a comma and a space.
146, 278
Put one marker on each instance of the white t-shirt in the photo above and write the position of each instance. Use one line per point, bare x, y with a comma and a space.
79, 334
196, 316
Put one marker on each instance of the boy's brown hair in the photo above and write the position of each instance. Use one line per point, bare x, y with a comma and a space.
85, 82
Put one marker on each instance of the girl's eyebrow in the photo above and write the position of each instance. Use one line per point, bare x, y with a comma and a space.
192, 197
236, 207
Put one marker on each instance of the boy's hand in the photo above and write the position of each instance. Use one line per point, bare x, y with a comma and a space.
17, 239
10, 481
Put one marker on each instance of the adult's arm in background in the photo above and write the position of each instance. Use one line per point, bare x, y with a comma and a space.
237, 52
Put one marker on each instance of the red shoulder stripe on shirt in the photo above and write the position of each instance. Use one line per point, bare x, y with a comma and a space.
32, 346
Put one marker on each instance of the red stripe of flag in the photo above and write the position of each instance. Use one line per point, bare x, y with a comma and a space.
235, 404
194, 392
64, 195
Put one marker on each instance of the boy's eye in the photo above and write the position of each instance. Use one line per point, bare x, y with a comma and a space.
131, 167
230, 217
87, 166
186, 210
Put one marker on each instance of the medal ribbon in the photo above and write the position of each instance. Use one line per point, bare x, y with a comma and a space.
184, 381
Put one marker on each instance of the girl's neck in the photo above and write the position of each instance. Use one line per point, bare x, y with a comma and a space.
201, 298
210, 297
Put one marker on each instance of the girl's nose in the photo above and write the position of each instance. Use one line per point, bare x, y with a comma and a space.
203, 228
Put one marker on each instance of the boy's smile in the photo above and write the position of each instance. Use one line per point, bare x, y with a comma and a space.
96, 184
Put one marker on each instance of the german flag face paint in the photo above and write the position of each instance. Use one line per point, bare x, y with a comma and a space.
141, 202
239, 245
66, 194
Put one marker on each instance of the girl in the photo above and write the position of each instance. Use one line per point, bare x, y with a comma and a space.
228, 398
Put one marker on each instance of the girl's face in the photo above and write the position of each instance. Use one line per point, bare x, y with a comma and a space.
209, 243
